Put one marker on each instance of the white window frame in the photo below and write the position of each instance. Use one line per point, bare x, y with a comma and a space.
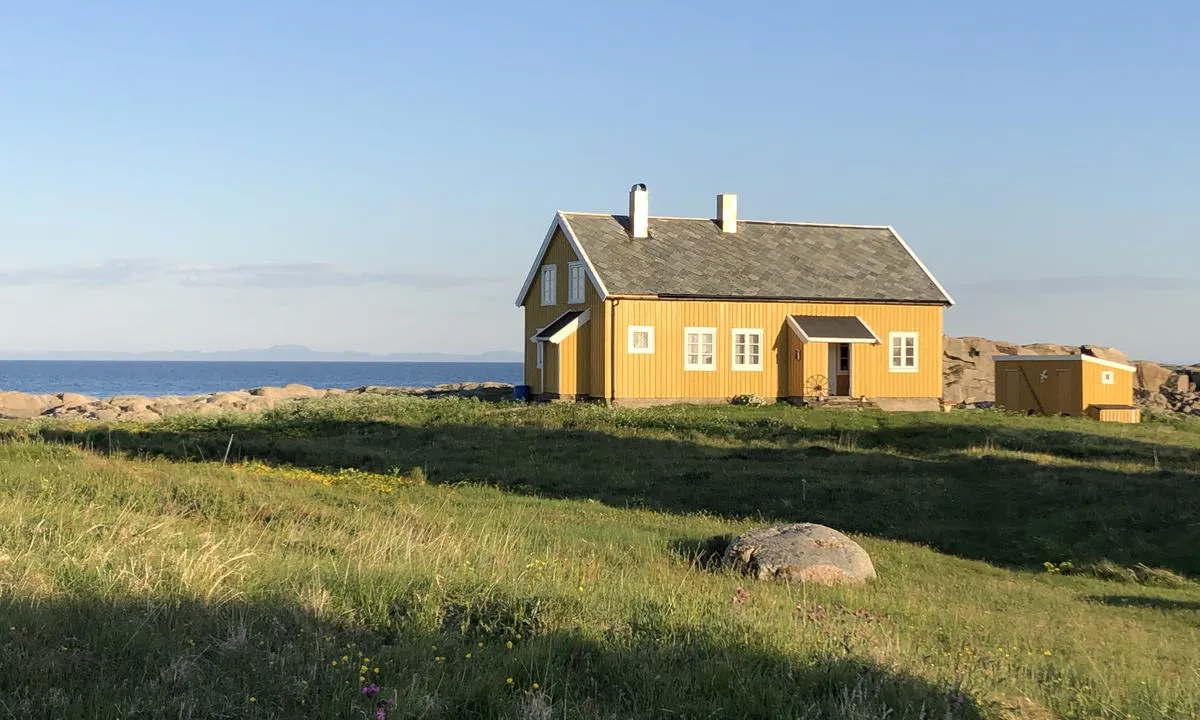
893, 337
1108, 377
576, 280
550, 287
649, 349
745, 366
539, 354
706, 367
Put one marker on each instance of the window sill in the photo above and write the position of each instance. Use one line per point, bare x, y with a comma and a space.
904, 370
699, 369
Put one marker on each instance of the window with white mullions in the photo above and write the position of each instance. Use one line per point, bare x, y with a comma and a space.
549, 284
699, 348
576, 283
903, 347
747, 348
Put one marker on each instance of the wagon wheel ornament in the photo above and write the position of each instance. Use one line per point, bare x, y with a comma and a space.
816, 386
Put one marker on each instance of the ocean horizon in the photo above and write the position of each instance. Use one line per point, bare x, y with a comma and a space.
152, 378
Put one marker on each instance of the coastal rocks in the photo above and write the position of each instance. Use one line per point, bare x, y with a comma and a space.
137, 408
969, 374
1150, 376
803, 552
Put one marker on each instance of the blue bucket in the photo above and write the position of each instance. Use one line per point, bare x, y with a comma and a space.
520, 393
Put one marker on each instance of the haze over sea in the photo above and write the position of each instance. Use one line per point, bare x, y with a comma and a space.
101, 378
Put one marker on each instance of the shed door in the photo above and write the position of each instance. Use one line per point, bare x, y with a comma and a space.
1012, 391
1065, 396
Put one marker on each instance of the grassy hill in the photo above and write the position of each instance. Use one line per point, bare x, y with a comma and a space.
491, 560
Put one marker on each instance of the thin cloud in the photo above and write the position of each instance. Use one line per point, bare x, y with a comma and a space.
267, 276
1081, 285
112, 272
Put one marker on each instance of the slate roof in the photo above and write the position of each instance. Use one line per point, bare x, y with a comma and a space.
692, 257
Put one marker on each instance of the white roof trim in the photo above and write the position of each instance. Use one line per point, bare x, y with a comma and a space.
1085, 358
561, 222
804, 337
913, 255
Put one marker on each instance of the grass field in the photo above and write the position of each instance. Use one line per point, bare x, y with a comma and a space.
492, 560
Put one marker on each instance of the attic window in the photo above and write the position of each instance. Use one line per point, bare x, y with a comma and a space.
1107, 377
576, 283
549, 284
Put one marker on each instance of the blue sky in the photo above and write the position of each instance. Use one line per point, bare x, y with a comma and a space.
376, 176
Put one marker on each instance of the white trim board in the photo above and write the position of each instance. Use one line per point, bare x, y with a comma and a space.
1060, 358
560, 221
804, 337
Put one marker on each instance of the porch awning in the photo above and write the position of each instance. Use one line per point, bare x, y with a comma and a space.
562, 326
831, 329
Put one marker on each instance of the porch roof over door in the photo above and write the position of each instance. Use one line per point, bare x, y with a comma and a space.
831, 329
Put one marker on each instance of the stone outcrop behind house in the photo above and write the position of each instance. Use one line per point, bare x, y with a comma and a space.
71, 406
969, 375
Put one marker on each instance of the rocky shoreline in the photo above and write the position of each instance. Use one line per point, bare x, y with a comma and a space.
968, 380
138, 408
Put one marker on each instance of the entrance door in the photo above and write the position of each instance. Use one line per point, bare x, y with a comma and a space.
839, 369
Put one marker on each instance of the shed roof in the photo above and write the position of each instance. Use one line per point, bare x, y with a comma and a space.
1081, 358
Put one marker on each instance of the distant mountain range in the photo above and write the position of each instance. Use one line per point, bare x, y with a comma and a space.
277, 353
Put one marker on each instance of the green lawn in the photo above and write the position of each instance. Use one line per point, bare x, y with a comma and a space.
494, 560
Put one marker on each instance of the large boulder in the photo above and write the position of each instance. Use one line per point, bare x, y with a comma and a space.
804, 552
74, 399
968, 372
24, 405
1105, 353
1151, 376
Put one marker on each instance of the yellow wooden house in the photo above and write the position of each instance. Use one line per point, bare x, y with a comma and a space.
638, 310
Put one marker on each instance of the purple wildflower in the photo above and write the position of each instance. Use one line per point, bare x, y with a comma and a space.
381, 714
370, 690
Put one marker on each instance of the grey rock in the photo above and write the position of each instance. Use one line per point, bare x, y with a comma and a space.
802, 552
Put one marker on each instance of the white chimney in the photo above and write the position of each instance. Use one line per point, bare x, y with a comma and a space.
727, 212
639, 211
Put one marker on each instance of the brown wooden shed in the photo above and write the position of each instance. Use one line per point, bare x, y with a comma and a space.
1066, 385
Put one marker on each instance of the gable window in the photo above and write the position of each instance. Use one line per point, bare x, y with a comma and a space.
576, 283
903, 352
549, 284
1107, 377
699, 348
641, 340
541, 354
747, 349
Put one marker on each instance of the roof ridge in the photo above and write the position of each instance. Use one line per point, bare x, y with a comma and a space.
804, 223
